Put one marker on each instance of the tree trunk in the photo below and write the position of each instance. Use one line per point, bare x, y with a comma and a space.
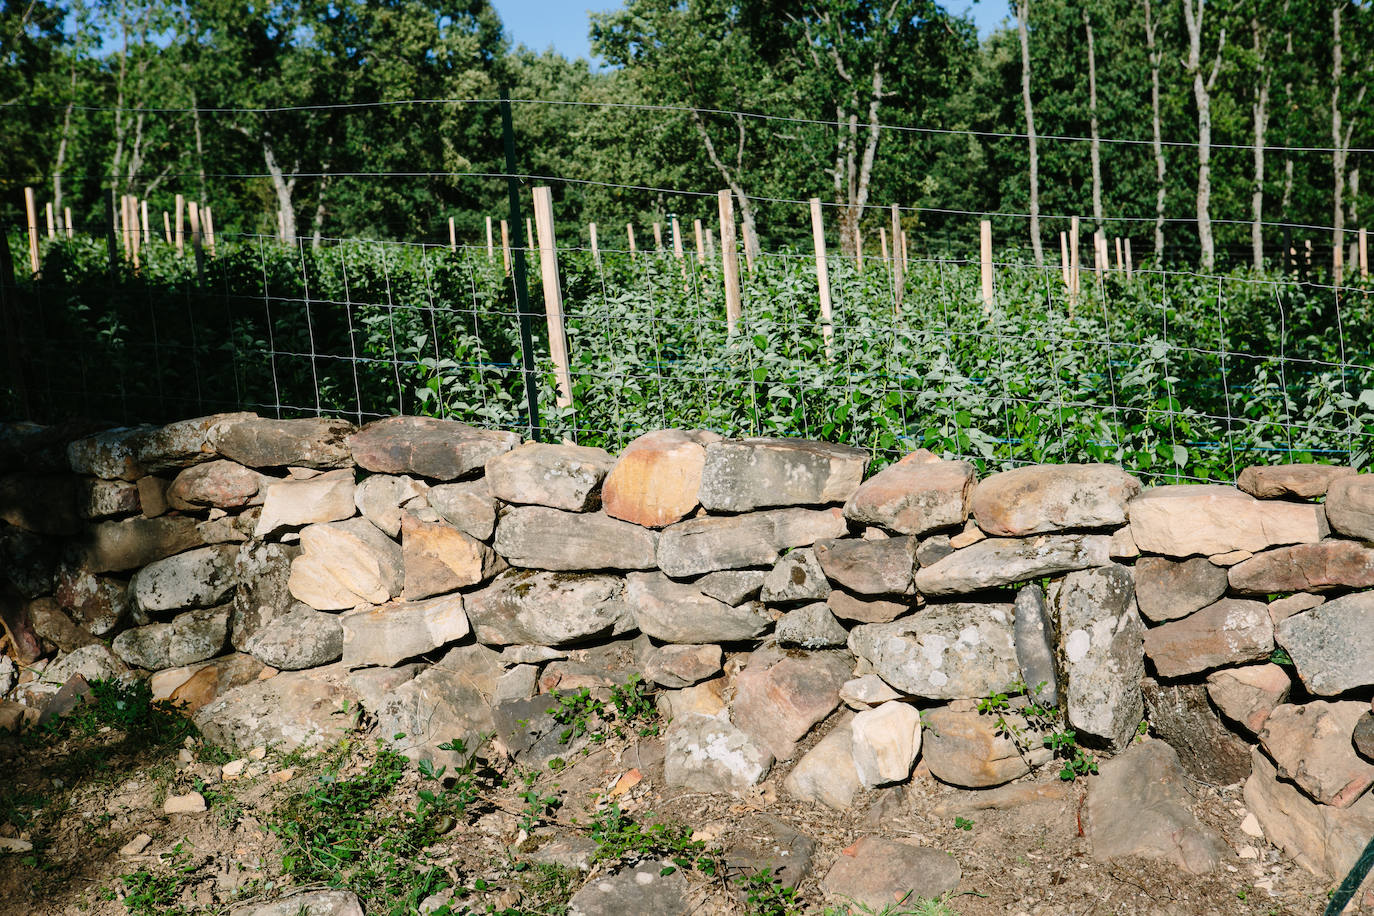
746, 211
1022, 21
1158, 142
1260, 111
1202, 96
1338, 154
61, 163
200, 149
1094, 145
283, 188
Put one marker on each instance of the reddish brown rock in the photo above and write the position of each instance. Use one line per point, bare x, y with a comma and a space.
1280, 609
869, 567
1311, 744
1316, 567
206, 682
134, 542
221, 484
1039, 498
1169, 589
439, 558
97, 603
1229, 632
866, 610
1299, 481
682, 666
428, 447
777, 704
916, 495
1325, 840
152, 496
1185, 520
315, 442
656, 479
877, 874
107, 498
965, 748
1248, 695
1350, 506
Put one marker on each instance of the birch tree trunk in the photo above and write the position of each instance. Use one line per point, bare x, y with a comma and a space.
1094, 145
1202, 96
1260, 112
1338, 154
732, 177
1158, 141
1022, 22
283, 188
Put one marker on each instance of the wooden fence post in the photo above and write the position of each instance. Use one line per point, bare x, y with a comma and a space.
1073, 263
167, 226
67, 221
858, 249
701, 249
491, 243
452, 236
1337, 257
1364, 254
729, 261
985, 258
143, 221
30, 211
630, 230
822, 274
1130, 267
1064, 262
47, 211
898, 271
209, 218
505, 246
596, 249
710, 244
678, 250
181, 232
658, 236
124, 227
553, 294
197, 237
882, 244
1120, 263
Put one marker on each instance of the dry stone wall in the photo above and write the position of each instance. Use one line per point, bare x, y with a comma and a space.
272, 574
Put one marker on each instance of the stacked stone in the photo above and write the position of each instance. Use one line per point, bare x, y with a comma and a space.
279, 576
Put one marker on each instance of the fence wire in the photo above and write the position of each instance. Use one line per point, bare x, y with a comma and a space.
1173, 374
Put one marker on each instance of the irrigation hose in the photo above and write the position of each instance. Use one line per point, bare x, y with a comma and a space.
1352, 881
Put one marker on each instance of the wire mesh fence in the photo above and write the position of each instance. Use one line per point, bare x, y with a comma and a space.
1174, 374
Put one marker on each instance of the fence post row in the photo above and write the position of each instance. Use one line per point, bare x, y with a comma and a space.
452, 236
553, 293
729, 261
822, 275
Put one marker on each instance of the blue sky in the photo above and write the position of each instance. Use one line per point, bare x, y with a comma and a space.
563, 23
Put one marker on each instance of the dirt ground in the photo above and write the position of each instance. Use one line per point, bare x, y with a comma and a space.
1021, 847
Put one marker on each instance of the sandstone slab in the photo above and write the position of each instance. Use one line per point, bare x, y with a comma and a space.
1040, 498
54, 627
201, 684
1290, 481
866, 691
811, 627
733, 586
427, 447
135, 542
878, 874
826, 774
705, 545
1350, 506
1311, 745
555, 475
657, 477
345, 564
1169, 589
1332, 645
679, 613
294, 709
862, 609
524, 607
1280, 609
949, 651
646, 889
917, 495
467, 506
439, 558
398, 630
1138, 806
451, 699
676, 667
1230, 632
537, 537
1099, 653
111, 454
190, 637
869, 567
1319, 567
316, 442
886, 740
777, 704
293, 502
1003, 561
1325, 840
1249, 694
741, 475
382, 498
1182, 520
262, 571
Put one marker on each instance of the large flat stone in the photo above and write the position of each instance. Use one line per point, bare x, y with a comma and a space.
795, 579
301, 637
291, 503
1138, 806
523, 607
878, 873
705, 545
1169, 589
1183, 520
293, 709
869, 567
428, 447
185, 443
1350, 506
1059, 497
190, 637
198, 578
1332, 645
777, 704
1326, 841
451, 699
543, 474
467, 506
826, 774
657, 477
1318, 567
709, 754
135, 542
1247, 695
382, 498
111, 454
863, 609
1099, 653
1003, 561
316, 442
678, 612
917, 495
946, 652
537, 537
964, 747
439, 558
394, 632
262, 571
1230, 632
1290, 481
651, 888
1311, 745
745, 474
345, 564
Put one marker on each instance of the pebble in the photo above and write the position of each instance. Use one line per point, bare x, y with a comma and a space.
10, 844
190, 803
1250, 826
234, 768
136, 845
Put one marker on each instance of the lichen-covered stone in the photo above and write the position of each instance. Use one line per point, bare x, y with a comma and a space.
946, 652
741, 475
